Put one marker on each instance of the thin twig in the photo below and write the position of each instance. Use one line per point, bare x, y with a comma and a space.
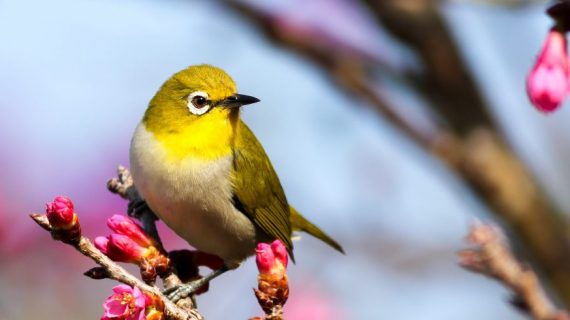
492, 257
116, 272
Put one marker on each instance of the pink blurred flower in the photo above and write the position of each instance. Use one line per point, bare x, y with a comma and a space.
3, 216
60, 212
125, 303
121, 248
126, 226
309, 302
547, 83
271, 259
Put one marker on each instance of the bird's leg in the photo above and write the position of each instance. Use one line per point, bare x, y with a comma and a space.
137, 207
184, 290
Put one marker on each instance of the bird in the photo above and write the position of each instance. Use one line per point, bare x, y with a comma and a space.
204, 173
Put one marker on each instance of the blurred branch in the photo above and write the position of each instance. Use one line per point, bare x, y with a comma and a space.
116, 272
486, 163
506, 3
348, 68
492, 257
466, 139
446, 81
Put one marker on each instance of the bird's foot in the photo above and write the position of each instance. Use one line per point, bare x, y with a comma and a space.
184, 290
137, 207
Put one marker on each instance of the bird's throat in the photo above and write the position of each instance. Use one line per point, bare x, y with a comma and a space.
208, 138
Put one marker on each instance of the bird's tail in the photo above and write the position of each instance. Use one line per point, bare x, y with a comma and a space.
299, 222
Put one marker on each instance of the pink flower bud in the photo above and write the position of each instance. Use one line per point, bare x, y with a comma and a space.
120, 248
271, 259
60, 212
264, 257
273, 286
124, 225
125, 303
280, 252
548, 81
102, 243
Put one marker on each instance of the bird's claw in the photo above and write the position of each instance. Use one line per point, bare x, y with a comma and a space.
182, 291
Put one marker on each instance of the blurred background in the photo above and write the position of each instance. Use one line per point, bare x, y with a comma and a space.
382, 118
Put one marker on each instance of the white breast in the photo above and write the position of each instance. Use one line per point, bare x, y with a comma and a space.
193, 197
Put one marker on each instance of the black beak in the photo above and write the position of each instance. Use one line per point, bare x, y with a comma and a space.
238, 100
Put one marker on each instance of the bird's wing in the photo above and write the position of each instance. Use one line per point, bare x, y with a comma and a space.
257, 190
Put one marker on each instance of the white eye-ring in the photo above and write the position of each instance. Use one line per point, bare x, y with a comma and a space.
198, 103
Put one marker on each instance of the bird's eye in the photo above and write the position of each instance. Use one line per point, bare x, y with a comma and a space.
198, 103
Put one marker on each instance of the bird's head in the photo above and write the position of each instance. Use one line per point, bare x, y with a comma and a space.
196, 112
198, 93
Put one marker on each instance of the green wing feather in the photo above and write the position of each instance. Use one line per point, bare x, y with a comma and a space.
257, 190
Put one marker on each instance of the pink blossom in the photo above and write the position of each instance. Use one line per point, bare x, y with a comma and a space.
102, 243
121, 248
60, 212
311, 302
548, 81
126, 226
125, 303
271, 259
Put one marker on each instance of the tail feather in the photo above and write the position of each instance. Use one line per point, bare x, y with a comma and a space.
299, 223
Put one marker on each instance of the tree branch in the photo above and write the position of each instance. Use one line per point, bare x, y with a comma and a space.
492, 257
349, 69
466, 140
116, 272
445, 81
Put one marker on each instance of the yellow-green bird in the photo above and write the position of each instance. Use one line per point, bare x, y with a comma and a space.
205, 174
